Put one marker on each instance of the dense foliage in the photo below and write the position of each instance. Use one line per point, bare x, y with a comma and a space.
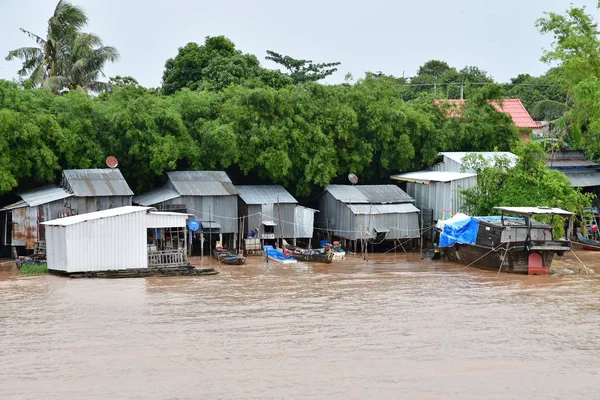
303, 137
527, 183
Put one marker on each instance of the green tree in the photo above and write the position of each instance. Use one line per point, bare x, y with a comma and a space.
527, 183
66, 57
303, 70
214, 66
576, 51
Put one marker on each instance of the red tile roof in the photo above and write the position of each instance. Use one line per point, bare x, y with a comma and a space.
512, 107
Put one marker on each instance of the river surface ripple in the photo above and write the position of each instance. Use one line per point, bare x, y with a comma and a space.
393, 327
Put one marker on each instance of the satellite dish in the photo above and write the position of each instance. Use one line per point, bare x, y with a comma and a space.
194, 225
112, 162
353, 178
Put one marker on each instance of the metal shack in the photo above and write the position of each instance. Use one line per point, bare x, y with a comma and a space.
116, 239
437, 191
209, 195
81, 191
96, 189
274, 213
454, 161
378, 212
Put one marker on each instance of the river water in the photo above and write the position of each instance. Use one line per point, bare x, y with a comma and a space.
393, 327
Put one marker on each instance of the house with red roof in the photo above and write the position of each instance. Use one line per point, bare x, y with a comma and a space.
513, 107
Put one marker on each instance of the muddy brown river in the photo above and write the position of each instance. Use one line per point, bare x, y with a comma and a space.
393, 327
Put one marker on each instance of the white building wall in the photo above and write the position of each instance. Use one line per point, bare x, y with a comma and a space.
105, 244
56, 239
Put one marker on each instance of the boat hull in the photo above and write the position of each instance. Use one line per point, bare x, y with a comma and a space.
314, 256
277, 256
516, 260
229, 258
588, 244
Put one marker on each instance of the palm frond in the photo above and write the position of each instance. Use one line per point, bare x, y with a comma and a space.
55, 83
24, 53
40, 41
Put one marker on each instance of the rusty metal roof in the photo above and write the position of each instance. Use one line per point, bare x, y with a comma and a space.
265, 194
202, 183
96, 182
383, 194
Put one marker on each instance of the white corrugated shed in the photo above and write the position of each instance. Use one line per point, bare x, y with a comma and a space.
105, 240
438, 190
453, 161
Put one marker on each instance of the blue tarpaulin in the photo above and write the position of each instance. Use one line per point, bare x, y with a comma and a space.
460, 231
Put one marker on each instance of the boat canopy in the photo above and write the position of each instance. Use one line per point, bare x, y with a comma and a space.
533, 210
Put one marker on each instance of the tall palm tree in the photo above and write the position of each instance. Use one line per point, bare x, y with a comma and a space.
66, 58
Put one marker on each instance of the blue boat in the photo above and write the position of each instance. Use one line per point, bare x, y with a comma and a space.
277, 255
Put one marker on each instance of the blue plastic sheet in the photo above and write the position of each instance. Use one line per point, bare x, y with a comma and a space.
462, 231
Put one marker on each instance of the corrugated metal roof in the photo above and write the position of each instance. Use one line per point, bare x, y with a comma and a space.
112, 212
39, 196
427, 177
533, 210
202, 183
513, 107
155, 196
369, 194
583, 179
96, 182
573, 163
264, 194
373, 209
487, 155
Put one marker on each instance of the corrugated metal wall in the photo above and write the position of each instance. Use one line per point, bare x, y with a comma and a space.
304, 220
113, 243
448, 165
221, 209
84, 205
26, 221
337, 217
440, 196
56, 240
399, 225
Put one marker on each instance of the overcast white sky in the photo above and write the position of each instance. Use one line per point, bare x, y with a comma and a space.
394, 37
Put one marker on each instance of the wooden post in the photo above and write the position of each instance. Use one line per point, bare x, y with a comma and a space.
280, 226
201, 243
422, 233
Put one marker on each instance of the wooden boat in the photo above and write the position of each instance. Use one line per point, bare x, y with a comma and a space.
278, 256
588, 244
226, 257
508, 244
311, 255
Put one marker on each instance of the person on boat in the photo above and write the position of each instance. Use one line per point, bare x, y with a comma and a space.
252, 233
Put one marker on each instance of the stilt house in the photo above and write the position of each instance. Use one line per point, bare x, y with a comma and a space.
374, 212
274, 213
209, 195
81, 191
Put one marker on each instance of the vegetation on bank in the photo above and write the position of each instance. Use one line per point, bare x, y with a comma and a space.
218, 108
32, 268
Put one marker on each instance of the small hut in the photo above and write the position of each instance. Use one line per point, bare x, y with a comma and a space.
209, 195
436, 192
369, 212
81, 191
273, 213
118, 239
